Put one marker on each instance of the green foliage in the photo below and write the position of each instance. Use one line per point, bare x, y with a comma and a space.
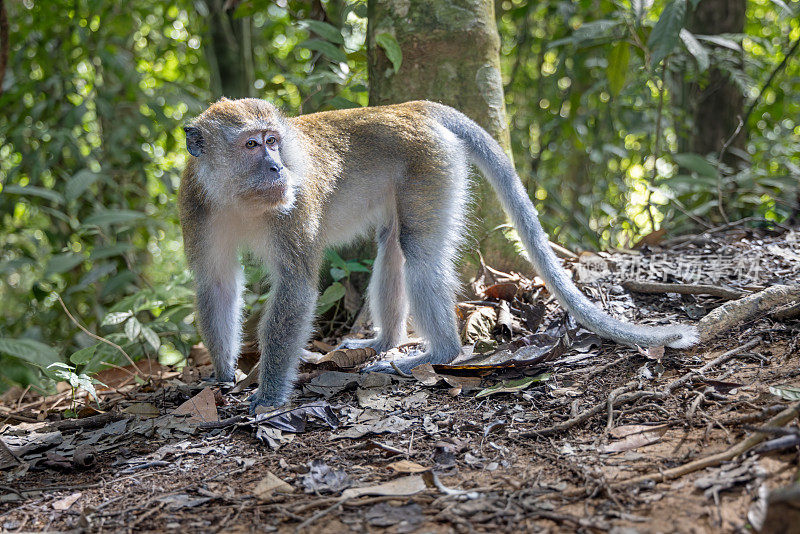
583, 89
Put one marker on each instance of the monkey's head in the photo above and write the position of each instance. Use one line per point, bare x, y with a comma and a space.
247, 154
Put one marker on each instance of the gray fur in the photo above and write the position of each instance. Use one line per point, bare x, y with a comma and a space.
496, 167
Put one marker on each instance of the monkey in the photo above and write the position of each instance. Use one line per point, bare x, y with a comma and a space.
288, 188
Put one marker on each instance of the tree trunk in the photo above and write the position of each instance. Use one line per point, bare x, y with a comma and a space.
450, 54
229, 51
718, 106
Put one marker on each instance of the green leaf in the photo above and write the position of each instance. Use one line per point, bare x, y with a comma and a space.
62, 263
331, 296
29, 350
617, 70
666, 33
513, 386
99, 253
720, 41
696, 163
108, 217
324, 30
696, 49
339, 102
116, 318
392, 49
84, 356
133, 328
151, 337
326, 49
79, 183
33, 191
337, 274
790, 393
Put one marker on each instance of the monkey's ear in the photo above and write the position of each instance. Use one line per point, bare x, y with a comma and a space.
194, 140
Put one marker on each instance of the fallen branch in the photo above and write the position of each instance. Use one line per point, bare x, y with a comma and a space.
94, 421
743, 446
627, 398
684, 289
746, 309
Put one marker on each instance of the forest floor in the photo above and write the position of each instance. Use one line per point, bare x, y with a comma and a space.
544, 429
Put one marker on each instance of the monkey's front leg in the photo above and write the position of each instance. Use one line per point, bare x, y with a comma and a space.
283, 331
219, 305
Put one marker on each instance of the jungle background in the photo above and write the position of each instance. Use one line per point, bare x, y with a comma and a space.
627, 120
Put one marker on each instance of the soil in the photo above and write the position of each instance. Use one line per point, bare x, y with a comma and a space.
455, 458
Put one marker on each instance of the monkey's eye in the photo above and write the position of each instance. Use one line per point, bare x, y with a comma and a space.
251, 143
271, 140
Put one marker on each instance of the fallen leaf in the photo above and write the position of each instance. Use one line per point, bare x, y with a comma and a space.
513, 386
269, 485
425, 374
376, 399
295, 419
501, 291
403, 486
331, 383
202, 407
142, 409
633, 437
346, 358
321, 478
406, 466
66, 502
479, 324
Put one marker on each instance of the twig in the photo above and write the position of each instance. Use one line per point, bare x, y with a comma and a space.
95, 336
319, 515
94, 421
223, 423
684, 289
743, 446
627, 398
657, 142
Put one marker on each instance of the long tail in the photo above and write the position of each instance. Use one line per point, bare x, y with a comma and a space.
498, 170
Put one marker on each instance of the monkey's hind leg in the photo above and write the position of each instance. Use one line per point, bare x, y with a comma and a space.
387, 294
431, 283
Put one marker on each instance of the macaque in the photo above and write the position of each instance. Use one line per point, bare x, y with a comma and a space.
287, 188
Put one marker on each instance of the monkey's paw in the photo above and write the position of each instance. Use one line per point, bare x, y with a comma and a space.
376, 343
270, 401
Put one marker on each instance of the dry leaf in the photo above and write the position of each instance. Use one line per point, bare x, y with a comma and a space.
406, 466
501, 291
66, 502
408, 485
269, 485
633, 437
346, 358
142, 409
425, 374
202, 407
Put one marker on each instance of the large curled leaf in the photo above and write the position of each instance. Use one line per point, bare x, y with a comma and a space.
30, 350
326, 49
392, 48
696, 49
324, 30
666, 33
330, 296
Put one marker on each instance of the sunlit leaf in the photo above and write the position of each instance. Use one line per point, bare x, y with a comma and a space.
326, 49
392, 48
696, 49
324, 30
330, 296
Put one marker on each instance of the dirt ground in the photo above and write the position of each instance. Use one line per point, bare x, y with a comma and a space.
590, 436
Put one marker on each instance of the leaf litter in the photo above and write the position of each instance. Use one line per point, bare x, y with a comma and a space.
534, 427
